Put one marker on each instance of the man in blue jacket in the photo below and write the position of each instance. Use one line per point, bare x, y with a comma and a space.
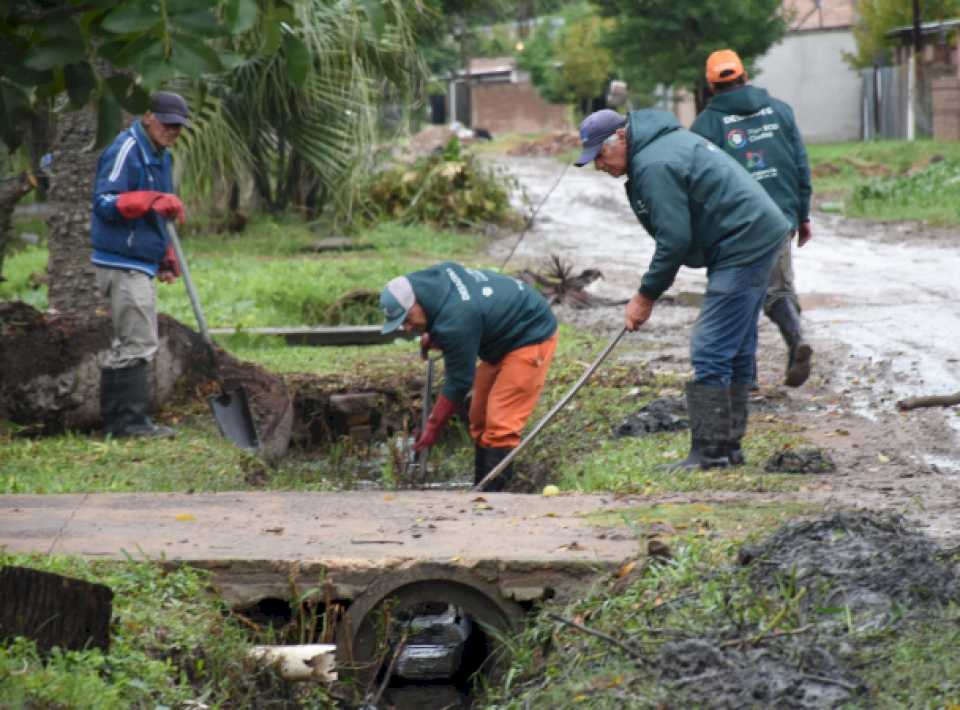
132, 199
702, 210
470, 314
761, 134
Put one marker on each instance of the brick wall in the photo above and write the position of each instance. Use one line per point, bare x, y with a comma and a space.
515, 108
946, 108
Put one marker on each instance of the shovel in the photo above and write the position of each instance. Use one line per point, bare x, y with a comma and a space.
424, 417
230, 408
498, 469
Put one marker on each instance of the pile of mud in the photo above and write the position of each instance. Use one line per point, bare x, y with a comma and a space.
871, 566
800, 461
659, 415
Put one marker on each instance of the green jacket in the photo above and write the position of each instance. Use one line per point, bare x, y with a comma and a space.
697, 203
761, 134
475, 313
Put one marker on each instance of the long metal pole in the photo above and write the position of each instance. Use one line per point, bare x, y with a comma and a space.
498, 469
191, 291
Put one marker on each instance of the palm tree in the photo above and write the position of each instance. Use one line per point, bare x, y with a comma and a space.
300, 122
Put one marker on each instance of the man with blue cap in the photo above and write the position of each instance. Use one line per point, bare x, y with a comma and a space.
702, 210
469, 314
132, 200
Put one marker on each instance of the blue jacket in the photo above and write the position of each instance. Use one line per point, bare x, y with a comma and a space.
130, 163
475, 313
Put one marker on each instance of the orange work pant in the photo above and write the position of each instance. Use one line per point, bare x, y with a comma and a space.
505, 393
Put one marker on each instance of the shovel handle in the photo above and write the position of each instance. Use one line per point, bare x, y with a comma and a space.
498, 469
191, 291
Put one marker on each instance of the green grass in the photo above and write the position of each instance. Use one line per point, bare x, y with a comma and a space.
875, 180
173, 643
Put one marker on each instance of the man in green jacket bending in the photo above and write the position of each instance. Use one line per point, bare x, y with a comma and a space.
470, 314
761, 134
702, 210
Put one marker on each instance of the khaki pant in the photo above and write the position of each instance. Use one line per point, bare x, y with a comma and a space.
505, 394
133, 310
781, 278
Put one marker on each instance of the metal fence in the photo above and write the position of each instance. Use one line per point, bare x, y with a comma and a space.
884, 107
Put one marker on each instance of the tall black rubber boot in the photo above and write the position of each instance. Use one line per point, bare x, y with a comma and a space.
486, 459
708, 407
739, 413
125, 403
785, 313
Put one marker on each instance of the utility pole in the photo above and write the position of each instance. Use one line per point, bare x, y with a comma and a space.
915, 75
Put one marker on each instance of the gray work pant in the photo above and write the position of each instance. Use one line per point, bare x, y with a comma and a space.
133, 310
781, 278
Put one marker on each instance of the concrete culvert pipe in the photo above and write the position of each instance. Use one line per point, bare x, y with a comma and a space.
432, 608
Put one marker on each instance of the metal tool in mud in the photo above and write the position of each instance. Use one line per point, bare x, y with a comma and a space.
498, 469
231, 408
421, 461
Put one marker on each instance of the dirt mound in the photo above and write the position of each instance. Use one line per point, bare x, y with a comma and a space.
870, 565
801, 461
550, 144
866, 562
659, 415
430, 139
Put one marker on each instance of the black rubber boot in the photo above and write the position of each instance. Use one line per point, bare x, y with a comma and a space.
125, 403
708, 407
486, 459
785, 313
739, 413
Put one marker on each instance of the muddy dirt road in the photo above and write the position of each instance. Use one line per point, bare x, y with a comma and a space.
880, 309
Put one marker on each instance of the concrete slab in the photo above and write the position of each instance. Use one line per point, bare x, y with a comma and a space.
256, 544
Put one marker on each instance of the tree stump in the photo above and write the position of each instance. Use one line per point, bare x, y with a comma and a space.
54, 610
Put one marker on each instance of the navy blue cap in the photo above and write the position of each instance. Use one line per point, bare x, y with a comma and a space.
396, 299
594, 130
169, 108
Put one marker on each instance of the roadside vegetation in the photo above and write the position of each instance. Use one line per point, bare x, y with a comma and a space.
889, 180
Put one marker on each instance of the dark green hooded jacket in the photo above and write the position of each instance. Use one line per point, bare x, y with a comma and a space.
697, 203
475, 313
761, 134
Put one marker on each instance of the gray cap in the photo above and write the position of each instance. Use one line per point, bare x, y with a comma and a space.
169, 108
396, 300
594, 130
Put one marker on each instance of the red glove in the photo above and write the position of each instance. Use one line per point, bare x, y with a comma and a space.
134, 205
169, 266
442, 411
805, 233
169, 206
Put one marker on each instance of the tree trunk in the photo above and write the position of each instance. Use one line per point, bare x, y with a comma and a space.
54, 610
72, 289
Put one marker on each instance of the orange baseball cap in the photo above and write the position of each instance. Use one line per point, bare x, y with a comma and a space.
723, 65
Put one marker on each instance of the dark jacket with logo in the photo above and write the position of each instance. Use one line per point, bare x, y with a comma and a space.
475, 313
697, 203
761, 134
129, 164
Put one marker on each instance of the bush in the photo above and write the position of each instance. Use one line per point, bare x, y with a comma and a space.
450, 190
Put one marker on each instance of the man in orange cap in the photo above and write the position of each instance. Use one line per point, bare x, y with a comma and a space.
761, 133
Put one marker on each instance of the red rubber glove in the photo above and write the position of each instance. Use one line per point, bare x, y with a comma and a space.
169, 266
169, 206
443, 409
805, 233
134, 205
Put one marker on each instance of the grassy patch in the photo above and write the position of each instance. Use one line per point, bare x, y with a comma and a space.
173, 644
674, 521
890, 180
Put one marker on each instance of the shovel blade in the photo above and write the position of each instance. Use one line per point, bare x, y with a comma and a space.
231, 409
